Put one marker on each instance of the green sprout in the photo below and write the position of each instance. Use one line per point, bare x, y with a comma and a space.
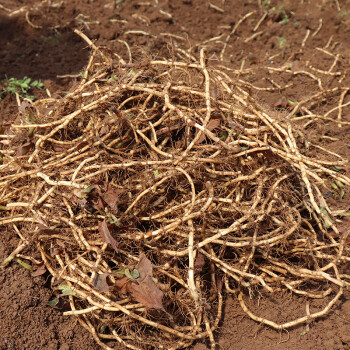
285, 19
53, 38
344, 13
23, 264
21, 87
129, 274
297, 23
113, 220
282, 42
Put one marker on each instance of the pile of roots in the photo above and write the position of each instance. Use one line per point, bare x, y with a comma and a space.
151, 190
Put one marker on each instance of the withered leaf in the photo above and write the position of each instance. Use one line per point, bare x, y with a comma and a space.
60, 147
102, 282
111, 197
147, 293
43, 229
24, 148
104, 130
106, 235
23, 107
281, 103
212, 124
98, 204
199, 263
144, 267
39, 271
123, 284
143, 289
81, 145
219, 283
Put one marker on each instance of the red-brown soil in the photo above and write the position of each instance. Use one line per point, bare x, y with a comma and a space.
37, 40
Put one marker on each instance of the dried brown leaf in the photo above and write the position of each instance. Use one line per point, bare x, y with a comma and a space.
199, 263
212, 124
147, 293
111, 197
98, 204
60, 147
106, 235
102, 282
281, 102
104, 130
24, 148
39, 271
144, 267
219, 283
123, 284
23, 107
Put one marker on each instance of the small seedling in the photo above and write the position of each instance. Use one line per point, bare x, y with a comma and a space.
344, 13
281, 42
112, 78
297, 23
285, 19
23, 264
338, 189
113, 220
21, 87
54, 38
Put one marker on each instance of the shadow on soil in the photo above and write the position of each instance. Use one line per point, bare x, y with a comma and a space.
39, 53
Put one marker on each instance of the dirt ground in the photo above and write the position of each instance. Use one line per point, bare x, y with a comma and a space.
37, 40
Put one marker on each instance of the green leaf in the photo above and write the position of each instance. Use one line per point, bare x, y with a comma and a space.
66, 289
337, 168
113, 220
25, 265
302, 333
128, 274
37, 84
87, 189
135, 274
131, 275
53, 303
155, 173
26, 81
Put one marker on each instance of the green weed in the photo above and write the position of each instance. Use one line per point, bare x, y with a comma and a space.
21, 87
54, 38
281, 42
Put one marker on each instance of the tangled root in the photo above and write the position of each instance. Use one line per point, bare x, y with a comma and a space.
173, 161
